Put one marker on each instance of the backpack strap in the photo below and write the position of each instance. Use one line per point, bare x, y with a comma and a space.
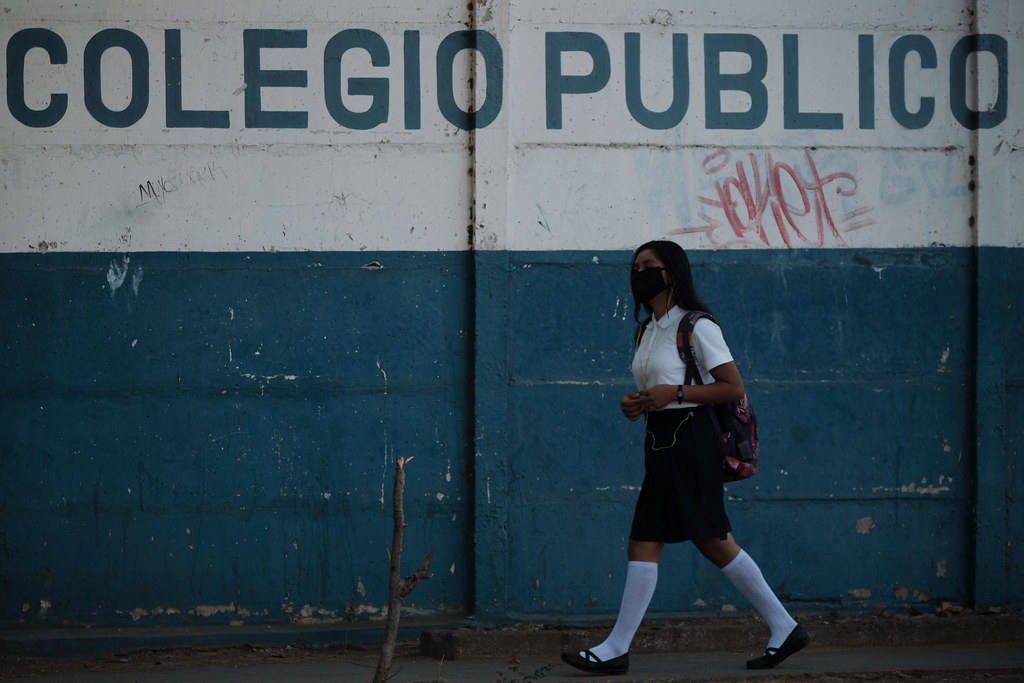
639, 331
684, 342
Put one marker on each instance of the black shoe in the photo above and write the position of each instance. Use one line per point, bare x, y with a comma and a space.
591, 664
796, 641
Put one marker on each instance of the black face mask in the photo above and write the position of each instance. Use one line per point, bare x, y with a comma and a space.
647, 284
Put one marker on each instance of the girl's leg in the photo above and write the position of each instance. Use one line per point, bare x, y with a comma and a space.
644, 551
744, 573
641, 579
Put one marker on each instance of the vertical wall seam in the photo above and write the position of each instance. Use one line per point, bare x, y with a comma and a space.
974, 430
472, 332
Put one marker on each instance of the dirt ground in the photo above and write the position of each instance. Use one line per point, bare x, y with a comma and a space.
243, 656
187, 658
155, 661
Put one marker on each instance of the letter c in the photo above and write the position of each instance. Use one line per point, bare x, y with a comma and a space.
19, 45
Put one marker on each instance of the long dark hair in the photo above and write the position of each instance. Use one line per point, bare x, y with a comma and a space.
677, 264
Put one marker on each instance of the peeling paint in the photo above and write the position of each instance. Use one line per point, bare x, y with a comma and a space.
864, 525
213, 610
570, 382
308, 611
117, 274
267, 378
860, 593
940, 568
200, 611
923, 488
310, 614
911, 594
360, 610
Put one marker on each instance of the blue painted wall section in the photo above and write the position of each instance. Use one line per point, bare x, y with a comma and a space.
999, 509
860, 365
210, 438
214, 444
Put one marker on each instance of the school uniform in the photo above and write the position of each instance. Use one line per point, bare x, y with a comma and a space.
681, 498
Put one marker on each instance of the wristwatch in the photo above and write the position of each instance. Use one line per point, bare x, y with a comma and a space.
679, 394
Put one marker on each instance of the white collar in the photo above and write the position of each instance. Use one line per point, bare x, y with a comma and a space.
671, 318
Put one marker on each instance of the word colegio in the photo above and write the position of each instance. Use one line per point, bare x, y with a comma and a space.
907, 56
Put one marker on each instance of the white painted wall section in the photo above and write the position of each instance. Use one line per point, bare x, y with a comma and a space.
850, 128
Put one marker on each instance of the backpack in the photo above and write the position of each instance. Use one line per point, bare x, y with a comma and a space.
735, 423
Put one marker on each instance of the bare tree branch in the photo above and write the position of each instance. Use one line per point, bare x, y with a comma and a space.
398, 588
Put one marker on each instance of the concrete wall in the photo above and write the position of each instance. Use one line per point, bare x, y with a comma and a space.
252, 253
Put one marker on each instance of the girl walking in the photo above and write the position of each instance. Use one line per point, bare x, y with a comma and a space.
681, 498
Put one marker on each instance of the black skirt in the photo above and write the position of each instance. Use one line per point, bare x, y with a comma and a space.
681, 498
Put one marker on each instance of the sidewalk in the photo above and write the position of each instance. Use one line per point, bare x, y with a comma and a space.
925, 649
1000, 662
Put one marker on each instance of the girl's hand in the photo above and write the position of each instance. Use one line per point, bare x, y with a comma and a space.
632, 405
657, 396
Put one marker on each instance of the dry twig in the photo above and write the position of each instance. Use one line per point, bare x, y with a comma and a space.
398, 588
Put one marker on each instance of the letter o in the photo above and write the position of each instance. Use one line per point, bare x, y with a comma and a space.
136, 48
489, 48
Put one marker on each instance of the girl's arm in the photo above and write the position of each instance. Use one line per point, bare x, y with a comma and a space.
727, 387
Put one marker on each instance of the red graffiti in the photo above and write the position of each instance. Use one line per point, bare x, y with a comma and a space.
787, 204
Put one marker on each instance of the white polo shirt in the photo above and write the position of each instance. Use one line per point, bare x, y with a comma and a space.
657, 360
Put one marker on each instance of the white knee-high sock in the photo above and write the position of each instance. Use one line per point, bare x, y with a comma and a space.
744, 573
641, 578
